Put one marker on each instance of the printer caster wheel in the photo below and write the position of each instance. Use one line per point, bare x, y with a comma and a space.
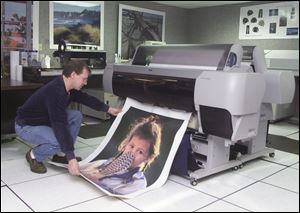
235, 168
241, 166
272, 155
194, 182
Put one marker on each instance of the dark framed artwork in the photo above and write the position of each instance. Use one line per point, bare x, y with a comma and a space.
137, 25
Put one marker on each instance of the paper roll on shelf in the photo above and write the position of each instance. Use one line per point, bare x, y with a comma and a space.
14, 62
47, 61
19, 73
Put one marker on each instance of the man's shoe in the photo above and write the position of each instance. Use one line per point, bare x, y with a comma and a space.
35, 166
63, 159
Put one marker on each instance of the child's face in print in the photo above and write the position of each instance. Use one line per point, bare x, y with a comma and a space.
139, 147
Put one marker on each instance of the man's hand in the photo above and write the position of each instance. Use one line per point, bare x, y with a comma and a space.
73, 167
114, 111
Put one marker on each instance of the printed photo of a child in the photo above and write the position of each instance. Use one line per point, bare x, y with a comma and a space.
136, 154
124, 173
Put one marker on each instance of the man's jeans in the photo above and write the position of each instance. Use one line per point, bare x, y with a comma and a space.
44, 138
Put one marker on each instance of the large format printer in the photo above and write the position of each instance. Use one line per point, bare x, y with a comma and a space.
230, 101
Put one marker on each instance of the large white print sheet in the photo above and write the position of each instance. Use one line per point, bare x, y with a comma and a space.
137, 153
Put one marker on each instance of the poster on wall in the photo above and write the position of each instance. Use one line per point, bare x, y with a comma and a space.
137, 153
137, 25
270, 21
14, 25
79, 24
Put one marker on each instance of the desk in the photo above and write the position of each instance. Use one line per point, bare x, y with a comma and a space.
13, 94
44, 75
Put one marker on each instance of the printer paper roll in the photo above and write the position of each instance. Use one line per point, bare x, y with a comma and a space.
47, 61
14, 62
19, 73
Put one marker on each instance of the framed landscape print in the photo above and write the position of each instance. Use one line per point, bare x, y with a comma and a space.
79, 24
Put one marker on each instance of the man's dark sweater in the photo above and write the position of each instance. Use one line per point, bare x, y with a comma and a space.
47, 107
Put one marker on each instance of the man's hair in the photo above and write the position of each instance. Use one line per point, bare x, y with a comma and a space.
148, 129
75, 66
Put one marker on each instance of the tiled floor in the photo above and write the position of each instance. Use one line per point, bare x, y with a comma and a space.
265, 184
